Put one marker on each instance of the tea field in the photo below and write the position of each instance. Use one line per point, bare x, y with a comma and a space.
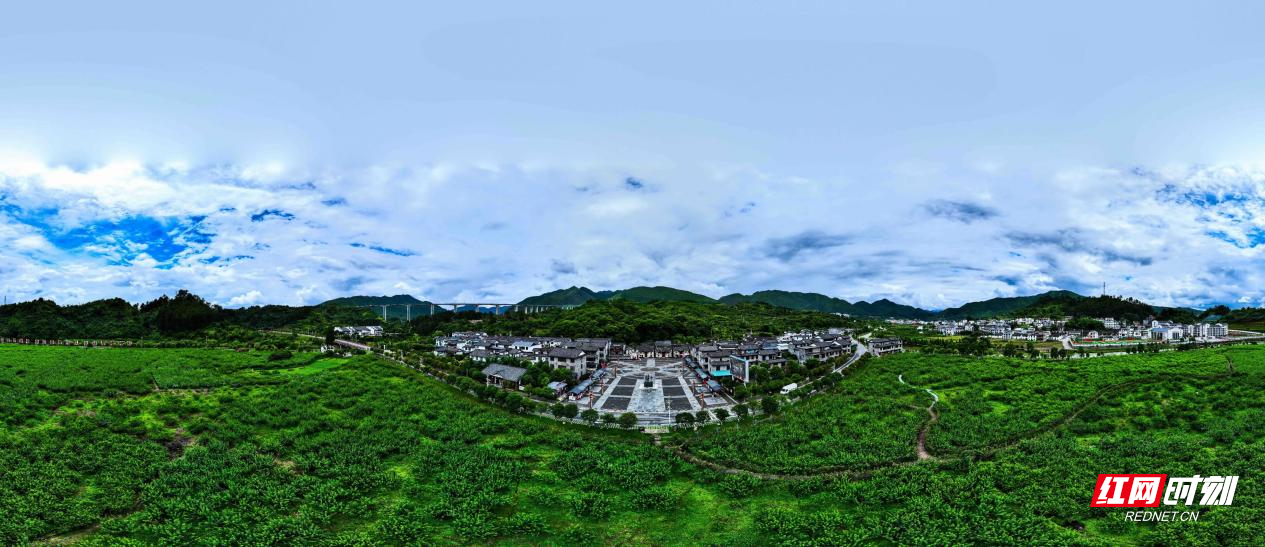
221, 447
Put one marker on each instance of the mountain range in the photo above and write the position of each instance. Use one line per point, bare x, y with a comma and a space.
1043, 304
791, 299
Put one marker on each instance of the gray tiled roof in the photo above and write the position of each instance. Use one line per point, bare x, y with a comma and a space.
507, 372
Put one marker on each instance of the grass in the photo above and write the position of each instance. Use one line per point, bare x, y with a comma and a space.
343, 451
1254, 326
318, 366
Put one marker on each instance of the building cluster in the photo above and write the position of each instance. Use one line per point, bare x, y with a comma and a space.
367, 331
1014, 329
586, 357
1168, 331
734, 358
1026, 328
581, 356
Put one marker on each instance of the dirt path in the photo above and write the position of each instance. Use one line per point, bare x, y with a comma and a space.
933, 417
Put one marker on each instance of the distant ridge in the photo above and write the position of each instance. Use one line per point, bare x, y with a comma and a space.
372, 300
829, 304
575, 296
392, 312
1057, 302
994, 307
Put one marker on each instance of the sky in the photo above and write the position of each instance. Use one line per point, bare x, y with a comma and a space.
928, 153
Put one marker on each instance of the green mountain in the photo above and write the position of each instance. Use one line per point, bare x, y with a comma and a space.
658, 294
829, 304
1056, 303
579, 295
887, 308
573, 296
1063, 303
794, 300
394, 309
372, 300
996, 307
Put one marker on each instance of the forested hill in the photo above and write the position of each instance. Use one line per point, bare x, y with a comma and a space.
573, 296
373, 300
1056, 303
786, 299
794, 300
1063, 303
1003, 306
578, 295
182, 315
627, 320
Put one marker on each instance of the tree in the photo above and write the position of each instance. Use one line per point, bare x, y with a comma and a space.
627, 420
514, 402
769, 405
608, 419
742, 410
703, 416
685, 418
1084, 323
329, 336
590, 416
721, 414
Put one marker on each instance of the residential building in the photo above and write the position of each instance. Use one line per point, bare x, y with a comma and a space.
568, 358
884, 346
504, 375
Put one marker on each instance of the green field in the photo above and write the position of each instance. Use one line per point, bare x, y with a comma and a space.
215, 446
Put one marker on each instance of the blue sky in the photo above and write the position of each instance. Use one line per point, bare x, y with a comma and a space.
930, 153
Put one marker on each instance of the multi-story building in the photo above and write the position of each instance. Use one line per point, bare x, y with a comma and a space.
883, 346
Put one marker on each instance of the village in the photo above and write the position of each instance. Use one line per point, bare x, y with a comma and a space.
1100, 330
655, 380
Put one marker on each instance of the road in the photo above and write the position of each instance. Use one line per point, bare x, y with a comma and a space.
344, 343
857, 352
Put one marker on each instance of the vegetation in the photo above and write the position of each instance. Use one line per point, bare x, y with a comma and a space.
182, 316
366, 452
634, 322
1004, 306
394, 310
1243, 318
217, 446
863, 422
1049, 304
1061, 303
575, 296
828, 304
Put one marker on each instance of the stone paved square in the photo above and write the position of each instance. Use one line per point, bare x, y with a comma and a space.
677, 403
616, 403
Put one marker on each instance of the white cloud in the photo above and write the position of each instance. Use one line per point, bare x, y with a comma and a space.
243, 235
247, 299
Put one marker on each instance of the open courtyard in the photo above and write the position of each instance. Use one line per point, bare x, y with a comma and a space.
655, 390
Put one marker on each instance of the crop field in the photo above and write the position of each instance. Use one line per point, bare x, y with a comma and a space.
214, 446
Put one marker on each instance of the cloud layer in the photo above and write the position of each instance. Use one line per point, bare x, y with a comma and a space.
244, 235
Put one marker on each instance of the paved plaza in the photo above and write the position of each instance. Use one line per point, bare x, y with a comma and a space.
655, 390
